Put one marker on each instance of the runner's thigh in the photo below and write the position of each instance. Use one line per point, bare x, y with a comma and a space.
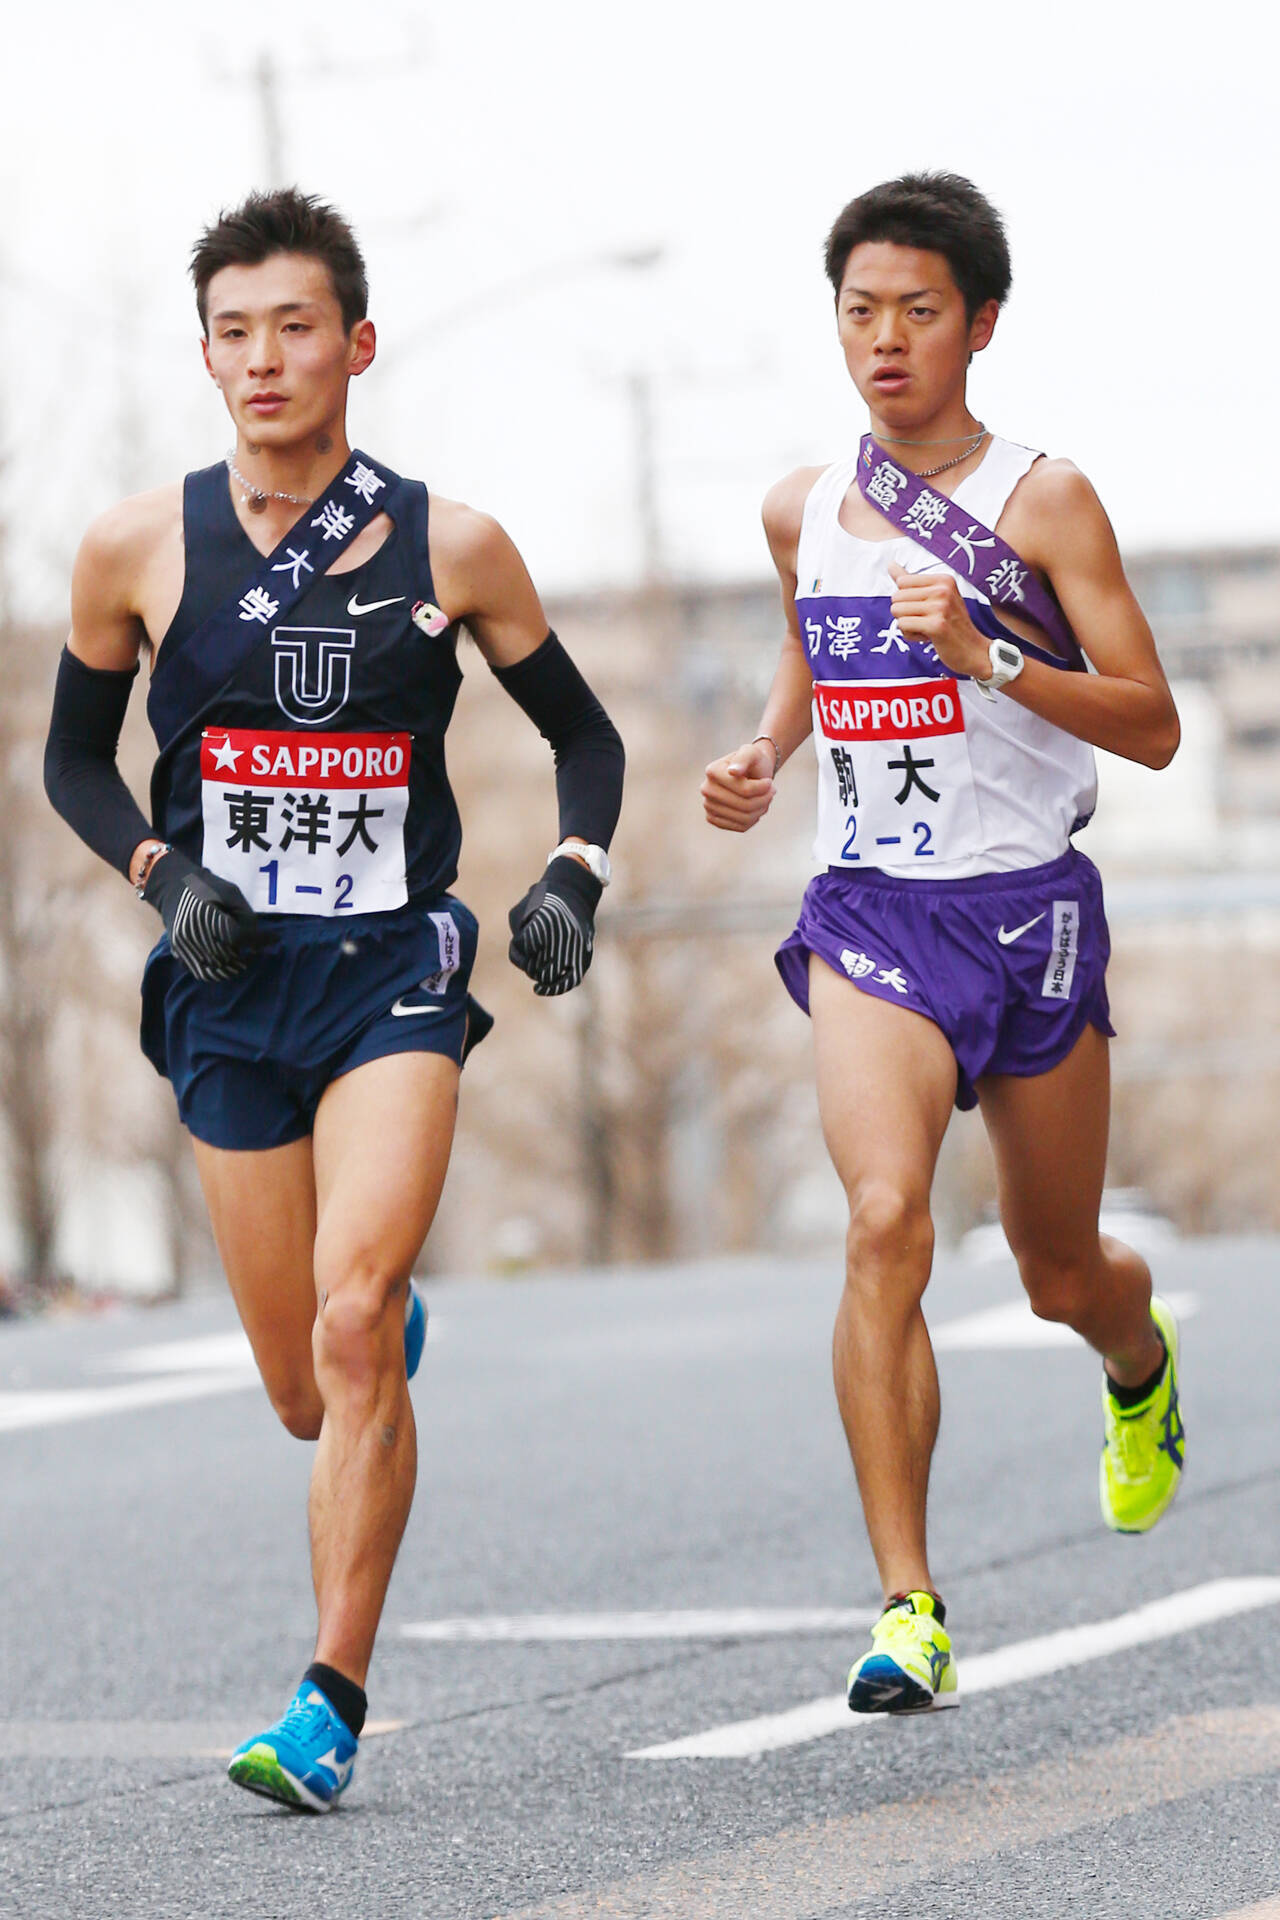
262, 1207
1048, 1133
886, 1084
383, 1135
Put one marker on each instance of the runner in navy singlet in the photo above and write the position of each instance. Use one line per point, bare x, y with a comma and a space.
942, 589
300, 605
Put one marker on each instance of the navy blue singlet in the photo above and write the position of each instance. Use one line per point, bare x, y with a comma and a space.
315, 781
349, 670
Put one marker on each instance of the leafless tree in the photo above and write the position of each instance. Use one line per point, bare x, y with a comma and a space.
36, 922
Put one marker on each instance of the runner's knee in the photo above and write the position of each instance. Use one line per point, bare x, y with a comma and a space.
1058, 1286
890, 1234
359, 1329
299, 1409
290, 1382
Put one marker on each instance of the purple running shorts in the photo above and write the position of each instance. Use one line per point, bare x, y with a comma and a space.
1011, 966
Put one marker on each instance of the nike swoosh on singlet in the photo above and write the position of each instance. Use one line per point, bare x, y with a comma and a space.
355, 609
400, 1010
1007, 939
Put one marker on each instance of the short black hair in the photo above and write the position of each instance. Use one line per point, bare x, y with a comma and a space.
284, 221
939, 213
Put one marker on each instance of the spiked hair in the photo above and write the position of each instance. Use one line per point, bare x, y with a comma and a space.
285, 221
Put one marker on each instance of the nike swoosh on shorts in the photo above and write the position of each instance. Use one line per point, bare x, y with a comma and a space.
400, 1010
1007, 939
355, 609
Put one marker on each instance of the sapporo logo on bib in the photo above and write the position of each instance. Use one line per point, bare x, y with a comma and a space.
894, 779
307, 823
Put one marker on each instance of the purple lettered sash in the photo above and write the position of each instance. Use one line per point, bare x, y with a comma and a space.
935, 522
189, 677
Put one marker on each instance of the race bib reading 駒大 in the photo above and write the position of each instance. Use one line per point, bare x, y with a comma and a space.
894, 779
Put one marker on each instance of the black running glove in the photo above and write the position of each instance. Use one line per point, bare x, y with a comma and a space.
552, 928
212, 928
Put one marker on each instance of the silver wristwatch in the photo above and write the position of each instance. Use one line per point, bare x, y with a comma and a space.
1006, 664
596, 859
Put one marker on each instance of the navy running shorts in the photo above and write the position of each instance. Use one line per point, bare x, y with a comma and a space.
1011, 966
250, 1058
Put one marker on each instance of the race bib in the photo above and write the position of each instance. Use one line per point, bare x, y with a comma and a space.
894, 779
307, 823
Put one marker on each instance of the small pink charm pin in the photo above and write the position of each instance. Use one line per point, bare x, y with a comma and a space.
428, 619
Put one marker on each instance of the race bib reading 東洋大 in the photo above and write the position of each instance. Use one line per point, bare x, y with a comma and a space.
307, 823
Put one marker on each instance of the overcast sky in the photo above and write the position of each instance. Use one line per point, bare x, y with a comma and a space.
499, 162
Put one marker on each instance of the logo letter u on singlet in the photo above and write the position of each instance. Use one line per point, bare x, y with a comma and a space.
313, 672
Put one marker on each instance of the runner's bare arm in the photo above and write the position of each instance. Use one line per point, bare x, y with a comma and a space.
481, 580
737, 790
107, 629
1057, 523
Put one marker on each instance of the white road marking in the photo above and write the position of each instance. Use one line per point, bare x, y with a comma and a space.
137, 1739
985, 1672
57, 1406
206, 1353
173, 1370
1013, 1325
667, 1624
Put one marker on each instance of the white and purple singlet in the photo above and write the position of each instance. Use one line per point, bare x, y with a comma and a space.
920, 775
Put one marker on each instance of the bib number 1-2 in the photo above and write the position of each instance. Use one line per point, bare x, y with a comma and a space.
307, 823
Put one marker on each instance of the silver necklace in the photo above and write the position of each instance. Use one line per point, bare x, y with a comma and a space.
929, 472
254, 498
948, 440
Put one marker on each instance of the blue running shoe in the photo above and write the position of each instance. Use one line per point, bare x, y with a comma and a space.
415, 1330
304, 1761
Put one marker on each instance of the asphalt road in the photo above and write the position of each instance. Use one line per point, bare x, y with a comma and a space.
646, 1444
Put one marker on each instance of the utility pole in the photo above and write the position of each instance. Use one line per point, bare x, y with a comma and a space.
593, 1130
640, 395
263, 79
266, 84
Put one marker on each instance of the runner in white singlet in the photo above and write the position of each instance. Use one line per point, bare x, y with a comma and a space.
953, 947
1013, 786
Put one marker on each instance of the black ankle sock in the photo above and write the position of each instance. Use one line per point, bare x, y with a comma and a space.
939, 1608
1134, 1396
347, 1699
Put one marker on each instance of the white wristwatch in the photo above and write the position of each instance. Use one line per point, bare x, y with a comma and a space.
1006, 664
597, 860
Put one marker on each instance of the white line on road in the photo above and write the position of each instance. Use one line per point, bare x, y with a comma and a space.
665, 1624
100, 1740
56, 1406
985, 1672
205, 1353
1012, 1325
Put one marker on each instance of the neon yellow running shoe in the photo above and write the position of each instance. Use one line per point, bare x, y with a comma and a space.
909, 1668
1141, 1462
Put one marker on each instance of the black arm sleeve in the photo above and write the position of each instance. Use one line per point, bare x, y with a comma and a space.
81, 777
588, 750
